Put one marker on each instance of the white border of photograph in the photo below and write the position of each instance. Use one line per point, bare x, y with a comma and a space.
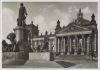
50, 1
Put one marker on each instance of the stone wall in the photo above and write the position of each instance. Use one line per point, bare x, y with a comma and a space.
14, 55
41, 56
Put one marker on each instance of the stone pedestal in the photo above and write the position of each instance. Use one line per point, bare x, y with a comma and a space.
68, 53
15, 55
19, 33
49, 56
62, 53
22, 55
82, 53
75, 53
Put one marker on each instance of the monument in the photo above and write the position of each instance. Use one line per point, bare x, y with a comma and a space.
20, 23
24, 46
42, 53
19, 31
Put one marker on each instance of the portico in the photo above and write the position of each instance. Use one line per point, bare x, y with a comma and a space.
74, 43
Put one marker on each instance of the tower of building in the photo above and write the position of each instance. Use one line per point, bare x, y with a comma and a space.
58, 27
80, 14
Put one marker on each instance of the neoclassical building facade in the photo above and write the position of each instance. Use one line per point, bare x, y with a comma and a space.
80, 37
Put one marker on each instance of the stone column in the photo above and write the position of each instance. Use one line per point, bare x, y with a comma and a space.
58, 44
83, 45
64, 45
89, 44
76, 45
61, 46
95, 42
31, 42
55, 46
36, 45
69, 45
49, 45
40, 44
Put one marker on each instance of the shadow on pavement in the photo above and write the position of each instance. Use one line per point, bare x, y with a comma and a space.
65, 64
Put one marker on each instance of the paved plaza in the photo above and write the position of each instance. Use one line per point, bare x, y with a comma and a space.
59, 62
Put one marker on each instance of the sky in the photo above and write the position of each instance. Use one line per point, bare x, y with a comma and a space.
45, 14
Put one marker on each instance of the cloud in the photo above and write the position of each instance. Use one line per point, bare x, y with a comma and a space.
44, 24
57, 11
28, 20
86, 10
8, 21
64, 16
52, 26
47, 8
41, 21
73, 9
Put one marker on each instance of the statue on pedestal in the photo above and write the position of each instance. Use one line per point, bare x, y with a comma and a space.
9, 47
46, 43
22, 15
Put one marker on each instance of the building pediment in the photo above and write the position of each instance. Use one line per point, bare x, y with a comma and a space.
73, 28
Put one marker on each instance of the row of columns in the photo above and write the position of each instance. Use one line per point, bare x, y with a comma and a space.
61, 44
37, 42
